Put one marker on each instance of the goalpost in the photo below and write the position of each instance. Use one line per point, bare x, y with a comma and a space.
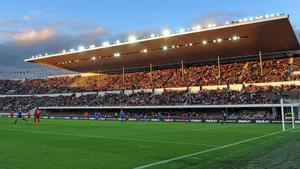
288, 104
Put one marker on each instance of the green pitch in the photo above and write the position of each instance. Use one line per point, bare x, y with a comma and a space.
104, 144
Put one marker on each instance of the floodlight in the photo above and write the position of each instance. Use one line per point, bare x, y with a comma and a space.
81, 48
117, 55
145, 51
132, 39
166, 32
181, 30
105, 43
235, 38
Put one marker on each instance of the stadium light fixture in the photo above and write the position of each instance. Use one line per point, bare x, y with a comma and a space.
64, 51
272, 15
118, 41
219, 40
152, 35
117, 55
93, 58
92, 46
105, 43
204, 42
181, 30
81, 48
267, 16
166, 32
235, 38
145, 51
72, 50
165, 48
190, 44
132, 38
211, 25
227, 22
197, 27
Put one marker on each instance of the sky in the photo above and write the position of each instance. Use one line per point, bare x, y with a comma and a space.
43, 26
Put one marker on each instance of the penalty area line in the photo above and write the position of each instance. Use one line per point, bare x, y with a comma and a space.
206, 151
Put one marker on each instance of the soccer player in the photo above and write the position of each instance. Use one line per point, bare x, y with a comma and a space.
97, 115
182, 118
19, 116
122, 116
37, 115
86, 115
224, 117
11, 113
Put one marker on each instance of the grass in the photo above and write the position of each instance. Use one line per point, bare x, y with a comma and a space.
108, 144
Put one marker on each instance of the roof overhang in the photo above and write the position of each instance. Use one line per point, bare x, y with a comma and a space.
266, 36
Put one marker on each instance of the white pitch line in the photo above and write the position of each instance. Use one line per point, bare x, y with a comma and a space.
205, 151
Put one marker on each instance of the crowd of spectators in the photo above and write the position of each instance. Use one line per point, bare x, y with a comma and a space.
37, 86
274, 70
249, 95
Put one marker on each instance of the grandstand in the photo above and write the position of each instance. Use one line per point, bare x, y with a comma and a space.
242, 70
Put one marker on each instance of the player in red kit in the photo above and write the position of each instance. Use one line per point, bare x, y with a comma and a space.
11, 113
37, 115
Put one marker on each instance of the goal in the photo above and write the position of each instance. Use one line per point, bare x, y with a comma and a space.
290, 112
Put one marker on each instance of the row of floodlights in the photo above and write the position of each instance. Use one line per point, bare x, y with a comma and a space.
164, 48
165, 33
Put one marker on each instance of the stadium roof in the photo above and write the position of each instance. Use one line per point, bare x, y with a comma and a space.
245, 37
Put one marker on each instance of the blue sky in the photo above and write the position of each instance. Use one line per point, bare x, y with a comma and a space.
38, 26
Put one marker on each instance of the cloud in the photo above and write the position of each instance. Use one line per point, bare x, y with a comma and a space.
34, 36
28, 43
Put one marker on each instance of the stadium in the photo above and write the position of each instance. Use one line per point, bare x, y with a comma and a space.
199, 97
